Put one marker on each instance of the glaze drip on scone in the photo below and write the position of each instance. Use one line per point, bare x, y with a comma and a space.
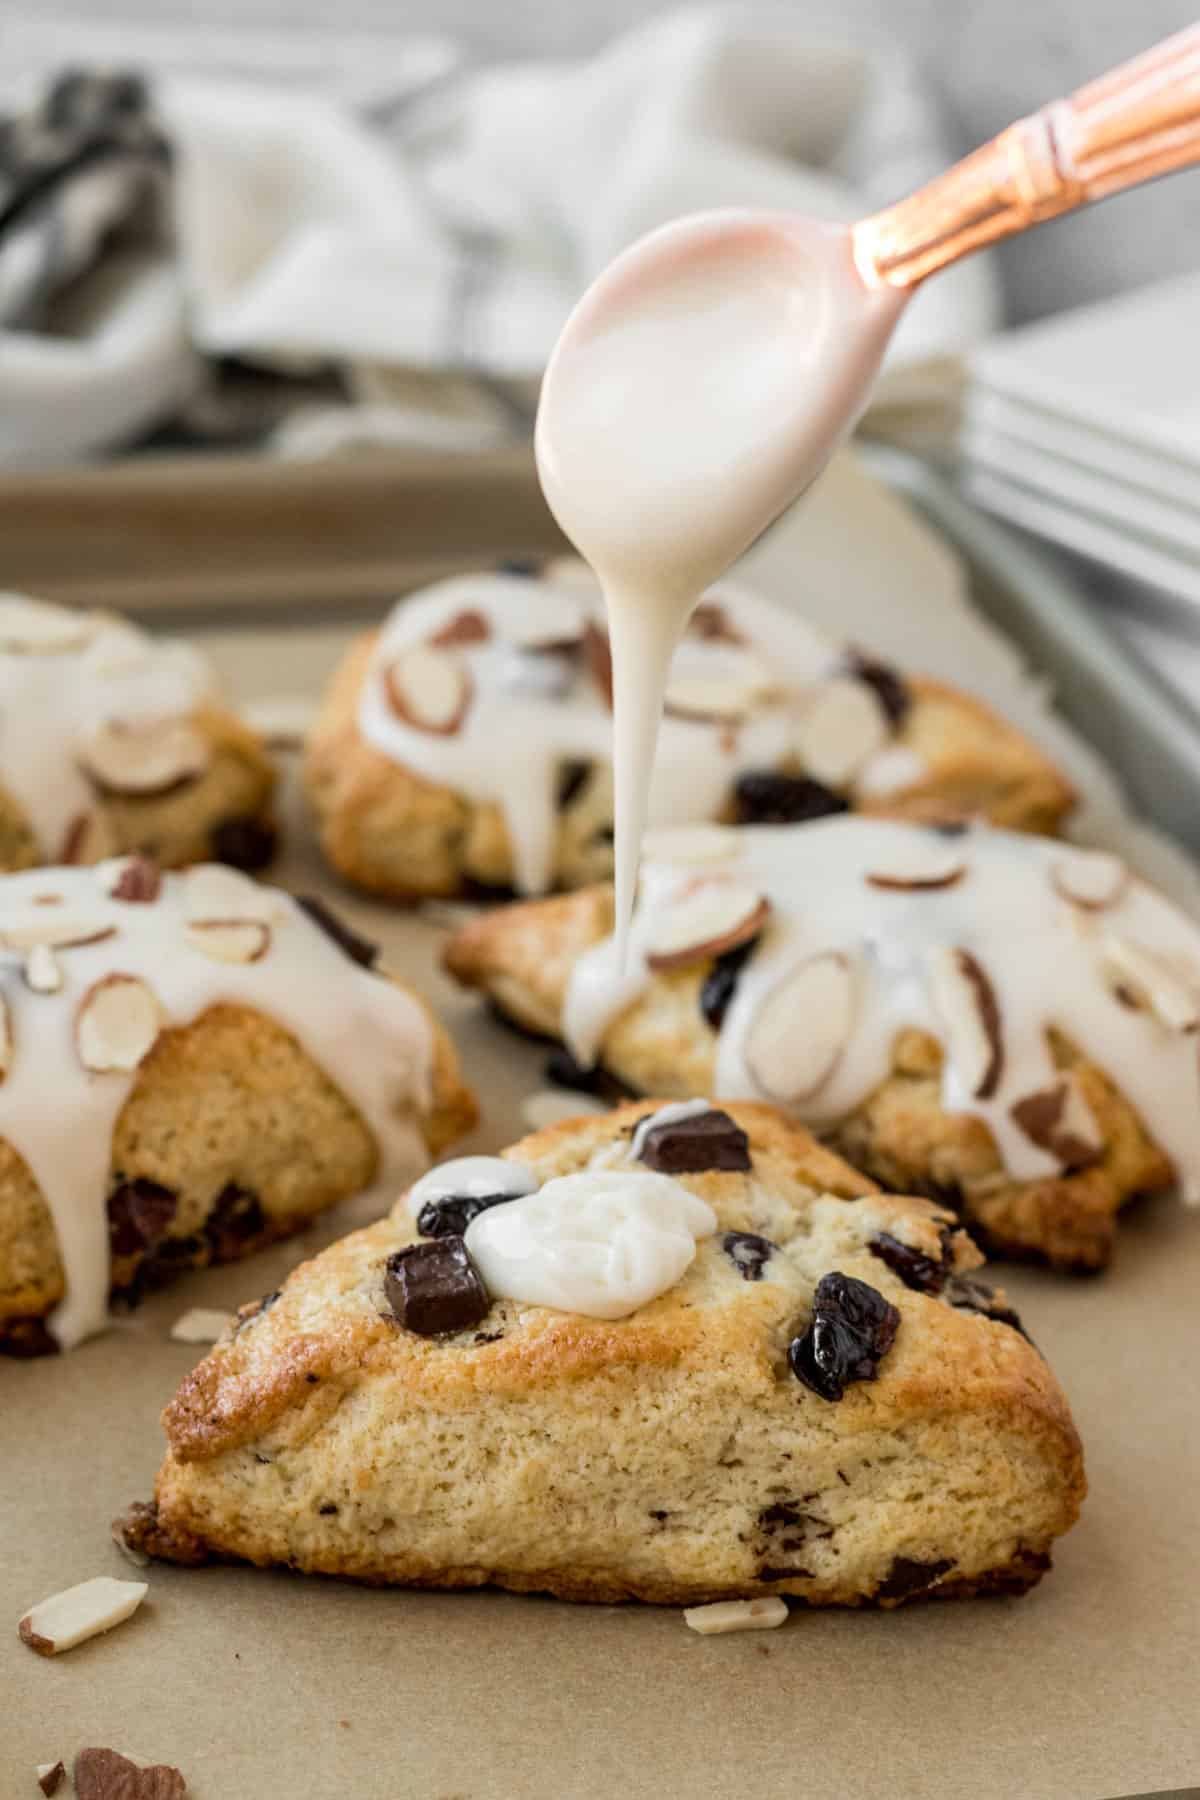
987, 940
88, 981
496, 684
72, 685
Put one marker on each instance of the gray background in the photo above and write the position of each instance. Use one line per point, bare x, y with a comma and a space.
989, 59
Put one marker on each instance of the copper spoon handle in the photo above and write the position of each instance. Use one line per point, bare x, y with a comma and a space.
1139, 121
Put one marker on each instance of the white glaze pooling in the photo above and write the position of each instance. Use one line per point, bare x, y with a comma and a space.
517, 733
602, 1242
1050, 962
371, 1038
697, 389
93, 670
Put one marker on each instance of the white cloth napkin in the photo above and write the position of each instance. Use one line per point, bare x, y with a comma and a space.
447, 225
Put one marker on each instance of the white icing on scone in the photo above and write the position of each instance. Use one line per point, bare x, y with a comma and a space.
70, 684
115, 972
986, 940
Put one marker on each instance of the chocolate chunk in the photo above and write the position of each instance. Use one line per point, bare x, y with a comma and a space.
25, 1335
245, 843
763, 797
237, 1217
907, 1577
915, 1269
449, 1215
851, 1330
106, 1775
360, 950
748, 1253
563, 1071
139, 882
976, 1296
571, 778
720, 984
888, 686
139, 1213
769, 1572
707, 1140
435, 1287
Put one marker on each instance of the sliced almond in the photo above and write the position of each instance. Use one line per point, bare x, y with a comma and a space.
1093, 879
39, 628
919, 869
137, 880
1058, 1119
87, 839
690, 843
467, 627
79, 1613
201, 1325
42, 970
736, 1615
801, 1029
145, 758
841, 727
230, 940
970, 1013
55, 932
117, 1024
706, 919
710, 682
429, 689
1145, 978
546, 622
7, 1040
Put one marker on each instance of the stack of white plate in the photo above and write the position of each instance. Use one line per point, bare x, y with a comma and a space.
1085, 428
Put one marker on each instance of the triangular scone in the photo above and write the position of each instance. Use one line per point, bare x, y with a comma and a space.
671, 1455
995, 1020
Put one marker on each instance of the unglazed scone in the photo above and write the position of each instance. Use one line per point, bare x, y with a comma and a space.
470, 740
111, 743
998, 1021
815, 1399
190, 1067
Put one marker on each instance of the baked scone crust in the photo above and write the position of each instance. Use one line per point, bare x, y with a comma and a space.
252, 1139
522, 956
669, 1457
392, 832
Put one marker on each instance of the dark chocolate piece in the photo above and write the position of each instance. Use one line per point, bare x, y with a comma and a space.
907, 1577
245, 843
139, 1213
449, 1215
435, 1287
748, 1253
237, 1217
563, 1071
889, 687
851, 1330
764, 797
359, 949
707, 1140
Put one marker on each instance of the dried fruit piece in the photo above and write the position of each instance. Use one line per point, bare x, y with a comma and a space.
924, 1274
689, 1139
429, 689
230, 940
887, 684
970, 1012
705, 919
359, 949
137, 880
106, 1775
201, 1325
802, 1027
146, 758
435, 1287
80, 1612
720, 984
763, 797
1058, 1119
42, 970
117, 1024
841, 727
1093, 879
748, 1253
851, 1330
139, 1213
976, 1296
1152, 981
445, 1200
736, 1615
39, 628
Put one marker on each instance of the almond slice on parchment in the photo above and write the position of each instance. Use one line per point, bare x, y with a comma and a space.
80, 1612
117, 1024
705, 919
139, 760
841, 727
802, 1026
1092, 879
736, 1615
429, 689
201, 1325
230, 940
966, 1003
1151, 981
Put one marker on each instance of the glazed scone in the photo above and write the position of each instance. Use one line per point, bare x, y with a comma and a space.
1000, 1022
190, 1067
807, 1396
112, 743
470, 740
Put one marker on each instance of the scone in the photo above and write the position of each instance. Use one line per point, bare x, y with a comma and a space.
1003, 1023
190, 1066
111, 742
654, 1355
469, 742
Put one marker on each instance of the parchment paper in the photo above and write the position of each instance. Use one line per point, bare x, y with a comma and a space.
274, 1685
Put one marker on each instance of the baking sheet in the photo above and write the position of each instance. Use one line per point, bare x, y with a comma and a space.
269, 1684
